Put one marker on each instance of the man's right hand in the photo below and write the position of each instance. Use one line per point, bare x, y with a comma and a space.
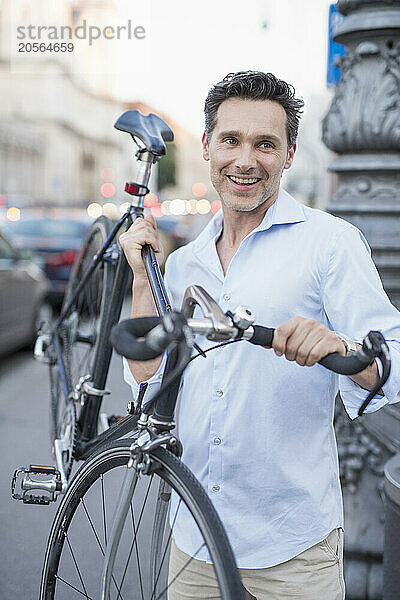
141, 232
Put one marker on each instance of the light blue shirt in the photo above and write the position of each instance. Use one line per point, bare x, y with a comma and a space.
257, 429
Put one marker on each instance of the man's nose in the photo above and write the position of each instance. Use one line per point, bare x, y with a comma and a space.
245, 159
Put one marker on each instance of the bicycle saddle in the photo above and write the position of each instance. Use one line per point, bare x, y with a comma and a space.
150, 129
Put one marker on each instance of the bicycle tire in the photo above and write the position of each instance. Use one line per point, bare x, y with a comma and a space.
60, 557
85, 321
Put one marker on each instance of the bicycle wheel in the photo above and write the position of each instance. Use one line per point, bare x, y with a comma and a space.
80, 332
75, 550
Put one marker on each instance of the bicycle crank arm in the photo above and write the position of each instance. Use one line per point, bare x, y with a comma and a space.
22, 479
59, 449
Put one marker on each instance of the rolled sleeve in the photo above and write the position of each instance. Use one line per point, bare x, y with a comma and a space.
356, 303
154, 382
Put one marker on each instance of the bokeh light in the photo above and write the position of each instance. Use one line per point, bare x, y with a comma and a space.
191, 207
203, 206
107, 174
110, 210
156, 210
215, 206
177, 207
165, 207
108, 190
13, 213
150, 199
94, 210
199, 189
123, 208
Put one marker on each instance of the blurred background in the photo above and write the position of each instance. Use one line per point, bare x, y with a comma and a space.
63, 84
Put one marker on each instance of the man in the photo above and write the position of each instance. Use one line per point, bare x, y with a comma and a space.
257, 428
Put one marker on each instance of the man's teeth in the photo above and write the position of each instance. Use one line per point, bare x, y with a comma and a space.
248, 181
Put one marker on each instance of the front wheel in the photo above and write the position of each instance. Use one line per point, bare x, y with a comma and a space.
77, 541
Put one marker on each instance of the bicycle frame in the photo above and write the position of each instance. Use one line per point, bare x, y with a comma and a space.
88, 440
90, 411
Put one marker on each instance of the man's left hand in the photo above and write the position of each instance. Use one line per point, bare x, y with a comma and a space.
305, 341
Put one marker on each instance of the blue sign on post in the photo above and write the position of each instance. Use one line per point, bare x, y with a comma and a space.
335, 50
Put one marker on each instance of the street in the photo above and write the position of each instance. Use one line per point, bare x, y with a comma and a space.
24, 433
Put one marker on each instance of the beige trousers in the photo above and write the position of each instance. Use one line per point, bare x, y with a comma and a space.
315, 574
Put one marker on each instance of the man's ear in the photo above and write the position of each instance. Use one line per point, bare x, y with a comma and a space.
290, 157
206, 153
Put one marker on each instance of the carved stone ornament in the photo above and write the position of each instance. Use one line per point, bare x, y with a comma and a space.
346, 6
365, 113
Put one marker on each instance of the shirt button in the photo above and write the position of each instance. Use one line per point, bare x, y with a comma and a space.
217, 441
215, 488
227, 297
219, 392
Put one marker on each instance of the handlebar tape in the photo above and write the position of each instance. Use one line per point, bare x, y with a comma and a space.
345, 365
262, 336
124, 338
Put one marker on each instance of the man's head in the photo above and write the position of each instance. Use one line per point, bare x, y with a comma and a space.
252, 120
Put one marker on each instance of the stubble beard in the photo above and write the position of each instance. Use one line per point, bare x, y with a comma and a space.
230, 200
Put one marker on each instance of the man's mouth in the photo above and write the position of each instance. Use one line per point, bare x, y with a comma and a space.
243, 182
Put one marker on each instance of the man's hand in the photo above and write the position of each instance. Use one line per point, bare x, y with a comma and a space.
141, 232
305, 341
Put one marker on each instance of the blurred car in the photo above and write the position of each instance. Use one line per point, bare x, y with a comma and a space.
23, 289
54, 236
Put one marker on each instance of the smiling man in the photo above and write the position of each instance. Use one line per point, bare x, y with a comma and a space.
257, 428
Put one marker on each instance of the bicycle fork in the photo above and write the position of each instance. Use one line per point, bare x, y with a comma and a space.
139, 463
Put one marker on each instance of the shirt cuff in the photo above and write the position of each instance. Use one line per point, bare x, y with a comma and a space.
354, 395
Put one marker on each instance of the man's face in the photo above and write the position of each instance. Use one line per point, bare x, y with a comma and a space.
248, 151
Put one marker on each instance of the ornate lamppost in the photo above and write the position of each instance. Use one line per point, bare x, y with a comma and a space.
363, 128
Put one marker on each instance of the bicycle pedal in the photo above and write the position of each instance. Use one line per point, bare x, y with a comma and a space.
25, 484
114, 419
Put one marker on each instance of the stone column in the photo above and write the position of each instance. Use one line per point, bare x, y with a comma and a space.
363, 128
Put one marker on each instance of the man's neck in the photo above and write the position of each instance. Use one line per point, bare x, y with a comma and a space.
237, 225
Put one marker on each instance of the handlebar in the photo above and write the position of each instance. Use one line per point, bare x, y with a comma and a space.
178, 328
158, 333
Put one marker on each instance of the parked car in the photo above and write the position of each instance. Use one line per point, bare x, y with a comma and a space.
23, 289
54, 236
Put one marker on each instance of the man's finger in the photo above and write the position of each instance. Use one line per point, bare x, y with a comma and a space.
149, 217
282, 333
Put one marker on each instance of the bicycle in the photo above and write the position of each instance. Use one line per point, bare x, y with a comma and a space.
151, 452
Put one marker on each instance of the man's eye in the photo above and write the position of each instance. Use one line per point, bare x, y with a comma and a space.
230, 141
266, 145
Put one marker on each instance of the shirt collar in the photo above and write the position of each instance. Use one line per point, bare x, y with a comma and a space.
284, 210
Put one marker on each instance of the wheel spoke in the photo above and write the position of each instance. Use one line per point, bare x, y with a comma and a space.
73, 587
76, 564
166, 548
104, 509
92, 526
98, 541
134, 542
180, 571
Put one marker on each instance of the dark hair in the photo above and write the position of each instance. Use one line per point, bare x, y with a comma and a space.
254, 85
